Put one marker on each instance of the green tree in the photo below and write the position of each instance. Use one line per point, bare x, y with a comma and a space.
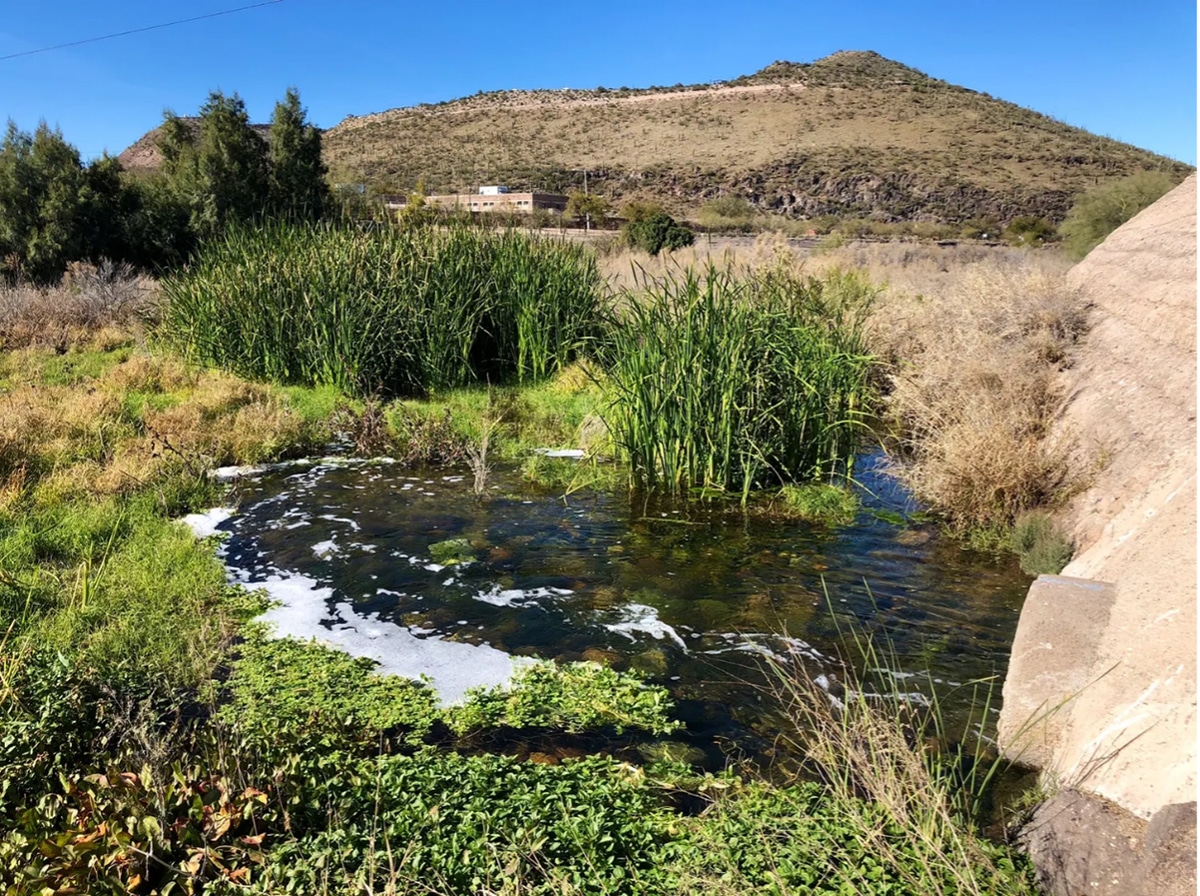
53, 209
217, 165
1105, 207
298, 189
587, 205
417, 212
657, 232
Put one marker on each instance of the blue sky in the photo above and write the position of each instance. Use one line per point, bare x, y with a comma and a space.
1127, 70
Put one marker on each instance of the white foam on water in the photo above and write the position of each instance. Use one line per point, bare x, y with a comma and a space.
641, 618
516, 597
302, 611
353, 524
782, 649
574, 453
205, 524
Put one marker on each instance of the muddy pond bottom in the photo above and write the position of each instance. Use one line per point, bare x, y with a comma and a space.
417, 572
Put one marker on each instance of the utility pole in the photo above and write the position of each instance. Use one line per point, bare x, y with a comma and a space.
587, 215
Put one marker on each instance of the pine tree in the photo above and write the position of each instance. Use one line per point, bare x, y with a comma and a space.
297, 175
43, 203
218, 167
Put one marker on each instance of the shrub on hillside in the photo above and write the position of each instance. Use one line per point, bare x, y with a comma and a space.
1029, 230
657, 232
727, 213
1104, 208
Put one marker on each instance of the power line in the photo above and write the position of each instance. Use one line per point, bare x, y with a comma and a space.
92, 40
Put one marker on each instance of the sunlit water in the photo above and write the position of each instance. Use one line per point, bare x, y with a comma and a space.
694, 597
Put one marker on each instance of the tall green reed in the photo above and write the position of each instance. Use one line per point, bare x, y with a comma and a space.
736, 382
387, 310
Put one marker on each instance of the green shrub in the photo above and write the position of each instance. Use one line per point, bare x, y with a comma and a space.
735, 383
1029, 230
639, 210
657, 232
1042, 548
1105, 207
727, 213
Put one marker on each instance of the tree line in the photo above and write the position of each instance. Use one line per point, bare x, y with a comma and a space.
217, 171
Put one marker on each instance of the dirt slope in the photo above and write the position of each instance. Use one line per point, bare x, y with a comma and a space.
1130, 733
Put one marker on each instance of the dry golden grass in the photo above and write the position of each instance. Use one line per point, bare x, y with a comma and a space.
901, 266
974, 388
111, 433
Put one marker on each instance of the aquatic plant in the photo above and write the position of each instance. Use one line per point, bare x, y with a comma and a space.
1041, 547
820, 502
398, 312
737, 382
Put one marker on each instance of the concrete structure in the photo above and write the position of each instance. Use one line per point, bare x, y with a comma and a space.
1101, 688
500, 201
488, 199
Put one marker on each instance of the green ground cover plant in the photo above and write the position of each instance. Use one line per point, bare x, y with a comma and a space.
573, 698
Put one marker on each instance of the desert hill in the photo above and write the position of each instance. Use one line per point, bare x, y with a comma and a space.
144, 154
853, 134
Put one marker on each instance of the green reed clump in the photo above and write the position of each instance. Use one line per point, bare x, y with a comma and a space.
388, 310
736, 382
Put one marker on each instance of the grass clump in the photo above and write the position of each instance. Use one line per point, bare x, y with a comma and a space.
907, 792
974, 391
731, 383
390, 311
820, 502
1041, 547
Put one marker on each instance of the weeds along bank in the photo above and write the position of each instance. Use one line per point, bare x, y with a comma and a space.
387, 311
970, 343
152, 737
709, 379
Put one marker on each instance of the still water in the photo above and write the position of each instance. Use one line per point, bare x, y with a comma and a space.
414, 570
